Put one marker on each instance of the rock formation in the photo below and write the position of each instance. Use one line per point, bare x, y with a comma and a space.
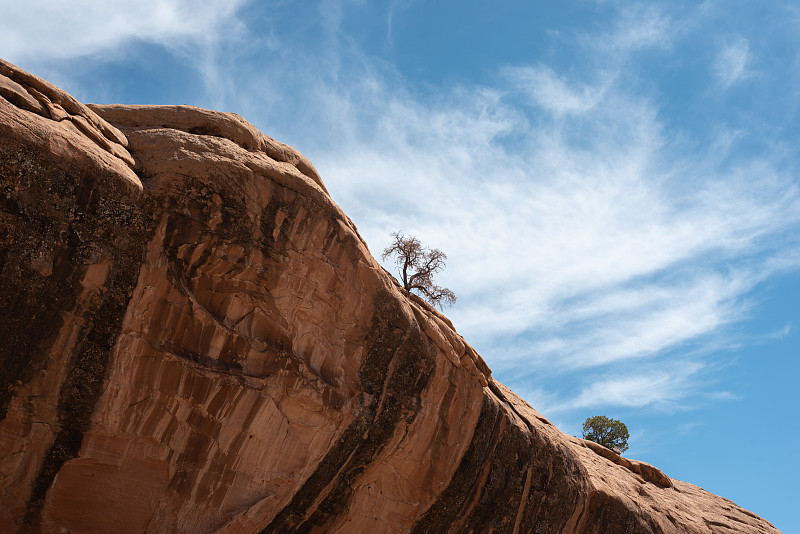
194, 338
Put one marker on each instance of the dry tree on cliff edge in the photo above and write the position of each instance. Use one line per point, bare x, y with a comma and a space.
417, 265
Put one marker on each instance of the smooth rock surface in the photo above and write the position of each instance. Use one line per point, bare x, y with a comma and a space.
195, 339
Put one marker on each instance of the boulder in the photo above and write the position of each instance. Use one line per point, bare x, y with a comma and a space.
196, 339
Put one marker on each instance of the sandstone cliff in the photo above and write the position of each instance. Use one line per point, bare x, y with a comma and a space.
194, 338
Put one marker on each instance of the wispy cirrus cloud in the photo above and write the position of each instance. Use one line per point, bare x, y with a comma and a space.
637, 26
731, 64
659, 388
552, 92
656, 386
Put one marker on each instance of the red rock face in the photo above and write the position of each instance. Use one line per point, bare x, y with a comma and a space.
196, 339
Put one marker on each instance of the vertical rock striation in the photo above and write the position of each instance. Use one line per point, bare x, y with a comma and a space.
196, 339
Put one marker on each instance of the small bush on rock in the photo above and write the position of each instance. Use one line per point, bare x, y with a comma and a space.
607, 432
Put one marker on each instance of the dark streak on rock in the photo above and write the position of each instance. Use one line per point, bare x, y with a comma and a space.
465, 482
28, 298
393, 338
487, 490
77, 218
608, 513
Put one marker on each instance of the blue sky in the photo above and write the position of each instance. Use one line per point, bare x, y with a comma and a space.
615, 184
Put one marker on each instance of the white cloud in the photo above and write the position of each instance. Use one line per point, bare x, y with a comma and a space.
639, 329
636, 390
86, 27
723, 395
552, 92
731, 63
662, 386
638, 27
688, 428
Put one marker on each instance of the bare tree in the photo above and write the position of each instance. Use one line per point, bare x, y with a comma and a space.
417, 265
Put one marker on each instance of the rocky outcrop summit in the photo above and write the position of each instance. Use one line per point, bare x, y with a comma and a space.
195, 339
